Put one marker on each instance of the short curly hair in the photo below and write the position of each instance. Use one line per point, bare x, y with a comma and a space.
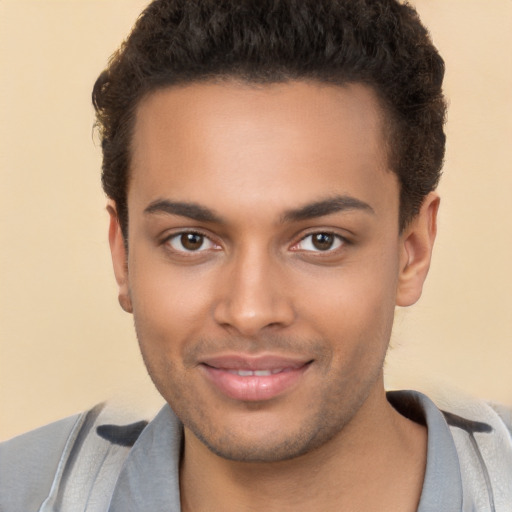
380, 43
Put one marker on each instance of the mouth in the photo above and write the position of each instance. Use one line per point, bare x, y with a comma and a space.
258, 373
250, 379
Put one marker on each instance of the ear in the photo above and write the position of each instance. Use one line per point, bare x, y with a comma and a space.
416, 244
119, 259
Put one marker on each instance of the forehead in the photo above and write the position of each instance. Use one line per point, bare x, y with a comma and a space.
283, 143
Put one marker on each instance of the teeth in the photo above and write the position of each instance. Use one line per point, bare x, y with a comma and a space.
257, 373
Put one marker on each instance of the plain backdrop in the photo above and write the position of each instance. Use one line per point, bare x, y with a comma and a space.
64, 342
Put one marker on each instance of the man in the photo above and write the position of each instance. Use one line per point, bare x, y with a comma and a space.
271, 171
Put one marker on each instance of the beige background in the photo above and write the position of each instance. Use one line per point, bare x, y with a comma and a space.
64, 342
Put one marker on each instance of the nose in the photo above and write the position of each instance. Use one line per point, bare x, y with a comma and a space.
253, 295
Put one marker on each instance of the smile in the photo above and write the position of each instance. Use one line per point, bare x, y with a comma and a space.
254, 379
258, 373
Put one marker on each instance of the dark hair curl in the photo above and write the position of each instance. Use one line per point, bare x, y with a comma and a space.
381, 43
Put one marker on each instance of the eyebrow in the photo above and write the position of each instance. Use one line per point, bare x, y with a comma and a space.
326, 207
190, 210
312, 210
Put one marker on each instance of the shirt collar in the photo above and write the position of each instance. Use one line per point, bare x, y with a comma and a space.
442, 486
149, 479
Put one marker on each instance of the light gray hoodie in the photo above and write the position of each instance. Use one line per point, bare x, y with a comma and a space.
93, 462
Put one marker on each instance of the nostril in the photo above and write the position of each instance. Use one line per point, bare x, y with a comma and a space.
249, 322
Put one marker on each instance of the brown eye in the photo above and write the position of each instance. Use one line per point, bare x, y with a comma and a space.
320, 242
323, 241
190, 242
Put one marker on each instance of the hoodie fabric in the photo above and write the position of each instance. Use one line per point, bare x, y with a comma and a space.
93, 462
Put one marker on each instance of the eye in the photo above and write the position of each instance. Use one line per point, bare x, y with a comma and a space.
190, 242
320, 242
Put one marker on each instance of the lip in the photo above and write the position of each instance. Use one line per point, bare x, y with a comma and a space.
251, 378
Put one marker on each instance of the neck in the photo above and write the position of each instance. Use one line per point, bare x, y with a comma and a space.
376, 462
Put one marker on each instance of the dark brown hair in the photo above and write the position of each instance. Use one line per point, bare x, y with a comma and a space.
381, 43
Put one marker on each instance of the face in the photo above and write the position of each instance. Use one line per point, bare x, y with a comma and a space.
264, 260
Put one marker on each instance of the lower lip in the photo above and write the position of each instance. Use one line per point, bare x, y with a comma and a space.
254, 388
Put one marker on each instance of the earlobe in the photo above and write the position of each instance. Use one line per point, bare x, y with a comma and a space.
119, 258
417, 242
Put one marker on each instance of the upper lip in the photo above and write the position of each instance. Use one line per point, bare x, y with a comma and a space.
254, 363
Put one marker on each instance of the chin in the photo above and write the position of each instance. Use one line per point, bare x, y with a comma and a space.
255, 444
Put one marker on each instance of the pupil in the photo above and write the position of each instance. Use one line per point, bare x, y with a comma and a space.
191, 241
323, 241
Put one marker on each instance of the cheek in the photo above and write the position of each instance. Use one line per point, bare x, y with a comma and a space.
170, 306
358, 293
353, 306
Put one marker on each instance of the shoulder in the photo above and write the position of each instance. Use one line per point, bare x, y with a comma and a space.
505, 415
476, 416
483, 439
29, 462
70, 459
468, 435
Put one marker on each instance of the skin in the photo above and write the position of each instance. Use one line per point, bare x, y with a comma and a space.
247, 162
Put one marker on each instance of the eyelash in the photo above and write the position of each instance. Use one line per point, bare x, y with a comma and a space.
168, 241
338, 242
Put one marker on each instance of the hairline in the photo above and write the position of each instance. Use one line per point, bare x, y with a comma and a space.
387, 118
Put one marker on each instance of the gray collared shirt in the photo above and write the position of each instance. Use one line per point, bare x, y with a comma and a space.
149, 479
90, 463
